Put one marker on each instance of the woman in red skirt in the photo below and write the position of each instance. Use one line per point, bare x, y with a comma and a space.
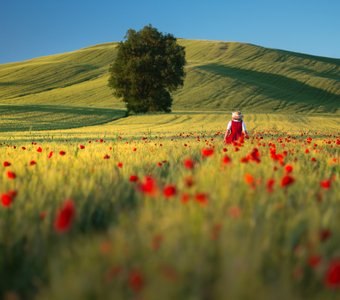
235, 129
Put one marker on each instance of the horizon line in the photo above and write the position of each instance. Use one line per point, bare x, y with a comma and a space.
178, 38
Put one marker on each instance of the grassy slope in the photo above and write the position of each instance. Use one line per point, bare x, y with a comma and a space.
220, 76
252, 78
75, 78
47, 117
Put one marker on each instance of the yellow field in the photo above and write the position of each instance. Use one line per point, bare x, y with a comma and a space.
218, 230
182, 121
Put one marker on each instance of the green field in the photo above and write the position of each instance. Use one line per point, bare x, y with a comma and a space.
221, 76
227, 228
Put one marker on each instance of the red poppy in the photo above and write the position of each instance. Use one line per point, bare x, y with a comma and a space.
12, 193
234, 212
244, 160
42, 215
65, 217
11, 175
156, 242
33, 162
50, 154
287, 180
136, 281
188, 181
325, 234
189, 163
226, 160
6, 200
206, 152
276, 156
120, 165
314, 260
270, 185
106, 156
39, 150
81, 146
254, 156
202, 199
148, 186
326, 184
169, 191
185, 198
134, 178
249, 179
62, 153
6, 164
288, 168
332, 276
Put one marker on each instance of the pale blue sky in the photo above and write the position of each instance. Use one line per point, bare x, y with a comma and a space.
32, 28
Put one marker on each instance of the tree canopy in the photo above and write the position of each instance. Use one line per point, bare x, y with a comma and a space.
149, 66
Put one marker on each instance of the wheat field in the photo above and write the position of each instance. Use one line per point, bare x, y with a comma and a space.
156, 206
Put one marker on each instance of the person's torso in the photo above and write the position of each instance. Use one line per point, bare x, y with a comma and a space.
236, 125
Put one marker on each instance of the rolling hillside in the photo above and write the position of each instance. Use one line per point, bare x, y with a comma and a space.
256, 79
220, 76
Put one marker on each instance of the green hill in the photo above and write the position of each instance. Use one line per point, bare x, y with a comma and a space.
220, 76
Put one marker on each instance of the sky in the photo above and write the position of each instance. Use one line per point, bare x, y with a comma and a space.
33, 28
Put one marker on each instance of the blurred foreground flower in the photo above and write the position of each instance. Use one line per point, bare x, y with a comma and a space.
325, 184
11, 175
189, 163
169, 191
332, 276
148, 186
65, 216
207, 152
136, 281
287, 180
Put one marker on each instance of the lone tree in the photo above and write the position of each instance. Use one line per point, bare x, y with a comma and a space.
149, 66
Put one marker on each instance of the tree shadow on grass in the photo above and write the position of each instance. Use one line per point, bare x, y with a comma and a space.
279, 87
